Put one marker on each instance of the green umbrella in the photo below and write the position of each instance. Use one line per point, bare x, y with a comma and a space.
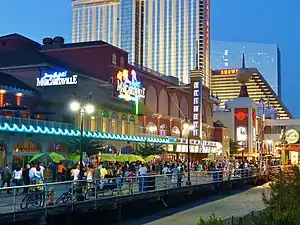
106, 158
139, 158
36, 156
55, 157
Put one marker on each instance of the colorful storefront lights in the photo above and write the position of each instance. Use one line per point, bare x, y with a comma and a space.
75, 133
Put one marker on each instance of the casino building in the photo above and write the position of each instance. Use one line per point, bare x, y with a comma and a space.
226, 87
133, 104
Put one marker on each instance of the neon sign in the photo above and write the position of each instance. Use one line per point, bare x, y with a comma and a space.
228, 71
197, 108
129, 89
56, 79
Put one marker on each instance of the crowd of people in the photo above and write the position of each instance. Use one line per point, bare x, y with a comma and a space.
34, 173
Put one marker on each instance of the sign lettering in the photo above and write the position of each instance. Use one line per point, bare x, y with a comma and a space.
128, 88
56, 79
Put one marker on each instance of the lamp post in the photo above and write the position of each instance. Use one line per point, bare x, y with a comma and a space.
262, 106
83, 108
187, 128
269, 150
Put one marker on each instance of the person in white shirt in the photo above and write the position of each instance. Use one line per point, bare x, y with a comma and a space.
32, 172
17, 177
75, 173
143, 171
165, 171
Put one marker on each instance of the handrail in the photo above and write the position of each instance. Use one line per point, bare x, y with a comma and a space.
70, 192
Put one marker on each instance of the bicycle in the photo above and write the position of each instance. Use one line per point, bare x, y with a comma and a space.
66, 197
35, 199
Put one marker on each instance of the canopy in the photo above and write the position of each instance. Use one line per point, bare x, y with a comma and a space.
129, 158
106, 158
35, 157
55, 157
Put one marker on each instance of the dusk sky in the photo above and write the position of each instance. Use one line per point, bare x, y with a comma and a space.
264, 21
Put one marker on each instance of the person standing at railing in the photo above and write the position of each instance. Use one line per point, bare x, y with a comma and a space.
142, 173
175, 174
26, 179
166, 172
60, 172
6, 177
17, 177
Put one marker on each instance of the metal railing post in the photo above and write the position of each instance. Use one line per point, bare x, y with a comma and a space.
95, 191
46, 189
14, 200
72, 195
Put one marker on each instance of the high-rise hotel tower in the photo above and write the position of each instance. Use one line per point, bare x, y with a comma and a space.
168, 36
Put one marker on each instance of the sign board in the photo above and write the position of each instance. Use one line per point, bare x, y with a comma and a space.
241, 135
294, 158
56, 79
228, 71
292, 136
197, 108
129, 87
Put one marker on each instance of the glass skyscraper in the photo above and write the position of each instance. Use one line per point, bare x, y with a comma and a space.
264, 57
168, 36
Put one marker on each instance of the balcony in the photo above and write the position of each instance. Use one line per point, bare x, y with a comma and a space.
35, 123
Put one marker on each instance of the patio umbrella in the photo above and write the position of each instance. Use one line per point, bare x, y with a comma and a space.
139, 158
106, 158
55, 157
36, 156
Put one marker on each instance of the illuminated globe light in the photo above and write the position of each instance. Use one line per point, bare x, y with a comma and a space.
75, 106
89, 108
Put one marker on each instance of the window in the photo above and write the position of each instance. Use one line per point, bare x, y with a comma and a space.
122, 62
93, 123
175, 132
114, 59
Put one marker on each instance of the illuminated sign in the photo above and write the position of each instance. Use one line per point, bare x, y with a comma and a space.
228, 71
292, 136
128, 88
294, 158
241, 135
56, 79
197, 108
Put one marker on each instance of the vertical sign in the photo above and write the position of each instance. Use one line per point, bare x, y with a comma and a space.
197, 108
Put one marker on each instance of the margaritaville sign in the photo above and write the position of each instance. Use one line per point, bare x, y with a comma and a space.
56, 79
129, 87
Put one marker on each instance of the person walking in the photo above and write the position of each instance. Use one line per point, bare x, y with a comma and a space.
26, 179
17, 178
6, 177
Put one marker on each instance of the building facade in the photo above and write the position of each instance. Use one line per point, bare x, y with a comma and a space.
226, 87
265, 57
168, 36
58, 72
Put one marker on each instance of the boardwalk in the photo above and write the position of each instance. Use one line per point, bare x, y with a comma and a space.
223, 206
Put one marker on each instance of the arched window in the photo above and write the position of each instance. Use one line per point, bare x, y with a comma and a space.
163, 107
124, 124
141, 127
114, 59
114, 122
122, 63
151, 128
151, 99
104, 119
175, 132
163, 130
132, 125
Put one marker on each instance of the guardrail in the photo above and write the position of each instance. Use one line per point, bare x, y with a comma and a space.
33, 197
32, 122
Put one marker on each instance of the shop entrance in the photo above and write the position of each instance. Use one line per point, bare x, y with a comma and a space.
20, 161
23, 152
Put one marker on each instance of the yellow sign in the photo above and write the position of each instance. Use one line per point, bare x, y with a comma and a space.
294, 158
229, 71
292, 136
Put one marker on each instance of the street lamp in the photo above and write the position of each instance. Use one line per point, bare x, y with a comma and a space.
83, 109
269, 149
262, 105
187, 128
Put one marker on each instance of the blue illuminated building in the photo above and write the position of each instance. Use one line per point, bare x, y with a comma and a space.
171, 37
264, 57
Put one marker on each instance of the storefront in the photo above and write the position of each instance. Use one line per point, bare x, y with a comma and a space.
199, 149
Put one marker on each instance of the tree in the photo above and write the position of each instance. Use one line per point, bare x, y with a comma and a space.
234, 147
90, 146
147, 149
